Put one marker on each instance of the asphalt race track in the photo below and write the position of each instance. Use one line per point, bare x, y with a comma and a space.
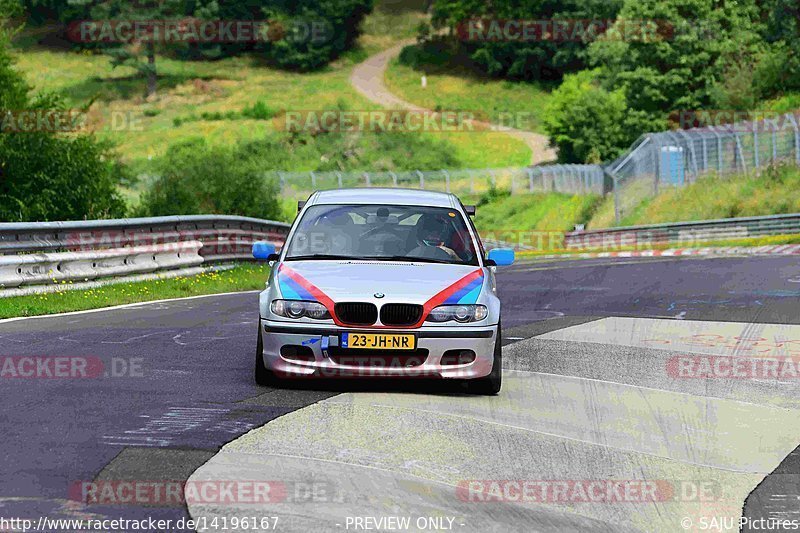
593, 392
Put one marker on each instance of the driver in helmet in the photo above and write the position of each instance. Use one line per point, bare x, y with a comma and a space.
433, 232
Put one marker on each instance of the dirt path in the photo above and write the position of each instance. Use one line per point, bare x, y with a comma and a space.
367, 79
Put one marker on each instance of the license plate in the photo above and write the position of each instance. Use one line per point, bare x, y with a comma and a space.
378, 341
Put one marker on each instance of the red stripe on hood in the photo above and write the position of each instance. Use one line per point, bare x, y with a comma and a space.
442, 296
310, 287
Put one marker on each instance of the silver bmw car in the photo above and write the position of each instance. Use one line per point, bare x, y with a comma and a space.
381, 283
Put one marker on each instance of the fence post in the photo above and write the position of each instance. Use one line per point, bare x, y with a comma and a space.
719, 149
313, 180
421, 180
367, 179
796, 137
617, 199
658, 147
446, 180
774, 143
339, 179
471, 182
394, 179
494, 179
705, 155
741, 152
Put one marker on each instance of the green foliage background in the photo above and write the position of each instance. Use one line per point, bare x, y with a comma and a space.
48, 176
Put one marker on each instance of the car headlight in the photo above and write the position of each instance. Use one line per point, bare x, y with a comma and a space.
458, 313
298, 309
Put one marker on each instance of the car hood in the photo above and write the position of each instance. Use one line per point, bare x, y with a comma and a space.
360, 281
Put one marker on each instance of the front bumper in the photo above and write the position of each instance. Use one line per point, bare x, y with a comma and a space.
323, 342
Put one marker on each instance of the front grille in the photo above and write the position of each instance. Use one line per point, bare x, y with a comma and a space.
357, 314
401, 314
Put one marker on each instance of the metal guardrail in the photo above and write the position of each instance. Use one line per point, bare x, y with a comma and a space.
684, 232
52, 252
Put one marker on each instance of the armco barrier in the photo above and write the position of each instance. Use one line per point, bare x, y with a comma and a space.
43, 268
48, 252
641, 237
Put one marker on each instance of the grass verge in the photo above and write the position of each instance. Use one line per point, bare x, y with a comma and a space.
776, 190
494, 100
498, 211
243, 277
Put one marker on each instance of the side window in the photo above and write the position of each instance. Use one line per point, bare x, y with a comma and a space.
475, 231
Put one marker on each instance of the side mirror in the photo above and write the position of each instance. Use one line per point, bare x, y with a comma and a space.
502, 257
265, 251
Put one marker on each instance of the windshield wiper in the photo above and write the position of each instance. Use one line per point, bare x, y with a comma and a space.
410, 259
403, 258
319, 257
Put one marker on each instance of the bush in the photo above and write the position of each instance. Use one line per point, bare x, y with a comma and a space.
587, 123
435, 53
258, 111
197, 179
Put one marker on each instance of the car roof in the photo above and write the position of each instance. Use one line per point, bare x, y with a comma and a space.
385, 196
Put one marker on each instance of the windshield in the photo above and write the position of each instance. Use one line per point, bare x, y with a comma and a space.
383, 232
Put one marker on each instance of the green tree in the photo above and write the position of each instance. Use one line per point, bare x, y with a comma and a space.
545, 58
13, 89
679, 70
587, 123
140, 54
48, 176
782, 30
317, 31
40, 11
